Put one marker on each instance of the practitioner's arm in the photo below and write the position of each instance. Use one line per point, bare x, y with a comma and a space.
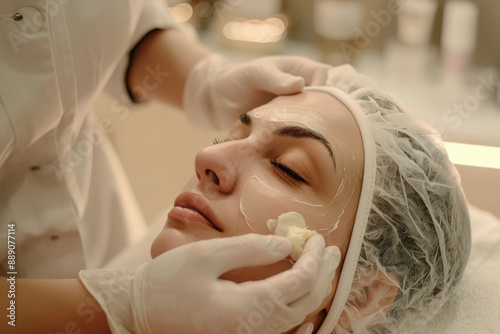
51, 306
161, 63
173, 67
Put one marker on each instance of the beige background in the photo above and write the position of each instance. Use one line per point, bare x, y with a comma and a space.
157, 144
488, 43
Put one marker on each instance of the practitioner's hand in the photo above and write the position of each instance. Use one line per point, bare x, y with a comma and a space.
305, 328
218, 92
180, 291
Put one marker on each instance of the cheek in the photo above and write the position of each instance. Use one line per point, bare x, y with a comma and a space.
258, 204
191, 183
259, 209
169, 239
342, 235
261, 202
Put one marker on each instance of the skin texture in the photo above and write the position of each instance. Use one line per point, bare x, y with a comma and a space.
223, 170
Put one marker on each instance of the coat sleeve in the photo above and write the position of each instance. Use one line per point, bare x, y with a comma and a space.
7, 137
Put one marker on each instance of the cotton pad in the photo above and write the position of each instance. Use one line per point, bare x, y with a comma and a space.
292, 226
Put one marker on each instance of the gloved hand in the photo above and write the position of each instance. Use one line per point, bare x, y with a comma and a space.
217, 92
306, 328
180, 290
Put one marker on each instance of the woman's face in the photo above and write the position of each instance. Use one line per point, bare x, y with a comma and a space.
300, 153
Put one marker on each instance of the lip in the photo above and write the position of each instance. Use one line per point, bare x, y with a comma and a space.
193, 209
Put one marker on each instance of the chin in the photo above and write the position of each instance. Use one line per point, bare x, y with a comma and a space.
169, 239
177, 234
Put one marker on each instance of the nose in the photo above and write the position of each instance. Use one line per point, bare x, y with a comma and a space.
218, 168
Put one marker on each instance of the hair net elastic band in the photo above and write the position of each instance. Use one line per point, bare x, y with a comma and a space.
364, 206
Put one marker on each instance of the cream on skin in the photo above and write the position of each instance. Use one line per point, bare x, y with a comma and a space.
292, 226
259, 147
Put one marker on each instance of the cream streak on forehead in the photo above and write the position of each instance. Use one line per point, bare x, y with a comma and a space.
308, 117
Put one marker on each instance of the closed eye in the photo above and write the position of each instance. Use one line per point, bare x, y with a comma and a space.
288, 171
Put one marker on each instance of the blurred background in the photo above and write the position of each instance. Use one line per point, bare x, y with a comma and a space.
441, 57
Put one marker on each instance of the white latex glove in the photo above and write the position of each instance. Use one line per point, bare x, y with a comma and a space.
180, 290
306, 328
217, 92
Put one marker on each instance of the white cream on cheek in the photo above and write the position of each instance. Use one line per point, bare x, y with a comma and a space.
260, 201
292, 226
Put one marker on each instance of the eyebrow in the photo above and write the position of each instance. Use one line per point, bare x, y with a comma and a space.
295, 132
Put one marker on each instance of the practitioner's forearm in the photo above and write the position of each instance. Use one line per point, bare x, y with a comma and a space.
161, 64
51, 306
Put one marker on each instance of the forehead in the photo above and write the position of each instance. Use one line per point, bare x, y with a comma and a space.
317, 111
320, 101
290, 113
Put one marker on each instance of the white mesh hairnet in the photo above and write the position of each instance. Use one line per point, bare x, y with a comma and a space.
412, 222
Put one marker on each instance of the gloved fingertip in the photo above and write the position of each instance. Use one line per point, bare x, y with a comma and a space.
309, 329
306, 328
316, 239
282, 245
289, 84
297, 84
334, 252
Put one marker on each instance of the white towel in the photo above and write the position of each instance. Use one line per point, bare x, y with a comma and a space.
475, 308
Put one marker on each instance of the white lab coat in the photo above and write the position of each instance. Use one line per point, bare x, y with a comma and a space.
60, 180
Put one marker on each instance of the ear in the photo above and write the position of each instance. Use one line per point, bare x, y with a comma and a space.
379, 295
371, 300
